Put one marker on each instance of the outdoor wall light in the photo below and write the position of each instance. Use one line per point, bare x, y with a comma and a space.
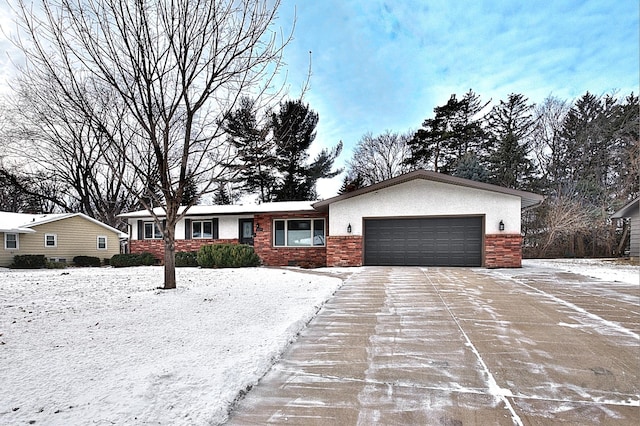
349, 228
501, 226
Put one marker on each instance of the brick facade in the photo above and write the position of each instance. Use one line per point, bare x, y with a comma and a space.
503, 251
500, 250
306, 257
344, 250
156, 247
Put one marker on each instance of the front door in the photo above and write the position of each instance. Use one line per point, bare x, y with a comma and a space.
246, 231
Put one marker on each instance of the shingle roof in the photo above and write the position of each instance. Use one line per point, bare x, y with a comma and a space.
201, 210
527, 199
627, 210
21, 223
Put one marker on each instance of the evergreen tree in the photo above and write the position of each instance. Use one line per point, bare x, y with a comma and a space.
222, 196
293, 128
190, 193
470, 167
255, 151
351, 183
455, 130
510, 124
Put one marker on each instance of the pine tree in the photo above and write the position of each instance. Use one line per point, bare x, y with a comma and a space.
455, 130
255, 162
190, 194
351, 183
293, 128
510, 124
222, 195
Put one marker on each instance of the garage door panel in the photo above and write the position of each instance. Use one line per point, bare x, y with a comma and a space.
454, 241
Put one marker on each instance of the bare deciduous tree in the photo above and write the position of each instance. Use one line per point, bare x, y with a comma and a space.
176, 68
48, 138
547, 145
377, 158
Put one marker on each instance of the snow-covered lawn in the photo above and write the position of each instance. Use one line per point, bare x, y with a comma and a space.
104, 346
604, 269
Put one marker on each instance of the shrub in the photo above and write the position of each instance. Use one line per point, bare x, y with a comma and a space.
29, 261
186, 258
56, 265
123, 260
227, 256
129, 259
86, 261
147, 259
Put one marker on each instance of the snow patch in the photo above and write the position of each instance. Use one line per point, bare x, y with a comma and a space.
103, 345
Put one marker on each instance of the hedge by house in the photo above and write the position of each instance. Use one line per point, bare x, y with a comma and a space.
227, 256
129, 259
186, 258
86, 261
29, 261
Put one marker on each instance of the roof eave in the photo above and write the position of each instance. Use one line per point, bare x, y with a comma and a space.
18, 231
627, 210
528, 199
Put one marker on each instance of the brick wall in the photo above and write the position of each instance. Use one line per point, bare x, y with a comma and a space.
156, 247
306, 257
503, 251
344, 250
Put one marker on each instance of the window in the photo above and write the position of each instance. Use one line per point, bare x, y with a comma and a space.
202, 229
299, 232
50, 240
11, 241
102, 242
151, 231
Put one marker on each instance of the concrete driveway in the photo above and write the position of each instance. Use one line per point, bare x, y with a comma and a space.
460, 346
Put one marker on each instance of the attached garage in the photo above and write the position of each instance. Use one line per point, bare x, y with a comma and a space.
425, 218
423, 241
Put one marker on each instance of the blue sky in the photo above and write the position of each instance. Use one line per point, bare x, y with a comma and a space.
381, 65
384, 65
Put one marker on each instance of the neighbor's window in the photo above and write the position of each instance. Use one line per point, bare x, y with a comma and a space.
299, 232
151, 231
102, 242
11, 241
202, 229
50, 240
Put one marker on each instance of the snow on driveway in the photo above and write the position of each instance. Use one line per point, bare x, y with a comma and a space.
105, 346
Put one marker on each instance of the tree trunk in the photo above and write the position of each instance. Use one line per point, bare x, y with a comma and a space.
169, 257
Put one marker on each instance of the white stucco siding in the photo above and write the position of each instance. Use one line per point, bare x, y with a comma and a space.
228, 227
426, 198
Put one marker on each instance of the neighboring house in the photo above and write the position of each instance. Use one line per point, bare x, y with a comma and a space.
59, 237
632, 211
420, 218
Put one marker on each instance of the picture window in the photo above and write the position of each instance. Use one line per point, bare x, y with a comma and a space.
299, 233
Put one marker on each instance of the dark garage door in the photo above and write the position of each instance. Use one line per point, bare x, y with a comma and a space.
442, 241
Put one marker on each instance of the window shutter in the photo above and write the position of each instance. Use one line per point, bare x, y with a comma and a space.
164, 226
140, 230
215, 229
187, 229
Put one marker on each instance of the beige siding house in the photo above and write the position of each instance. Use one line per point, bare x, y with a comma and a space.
59, 237
632, 211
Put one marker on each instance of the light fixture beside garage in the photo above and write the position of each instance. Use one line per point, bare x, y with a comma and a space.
349, 229
501, 226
